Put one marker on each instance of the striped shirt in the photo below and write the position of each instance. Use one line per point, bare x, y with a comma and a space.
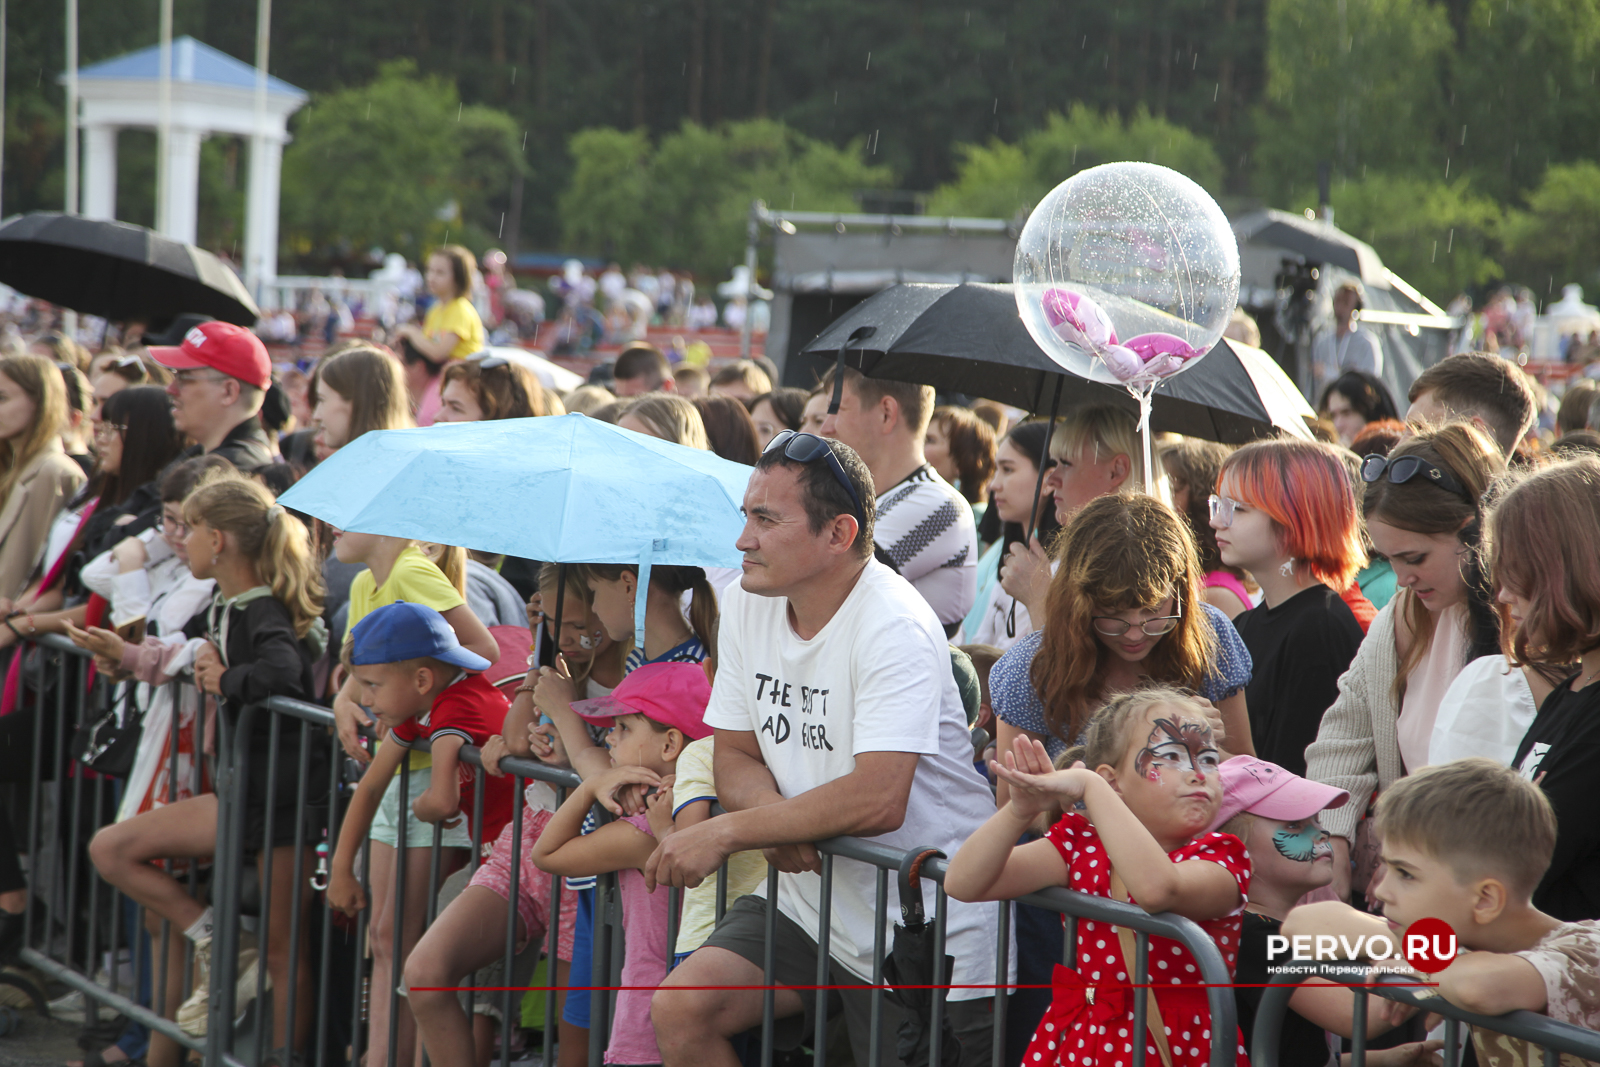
926, 528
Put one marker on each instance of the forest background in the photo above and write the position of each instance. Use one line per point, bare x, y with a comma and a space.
1460, 135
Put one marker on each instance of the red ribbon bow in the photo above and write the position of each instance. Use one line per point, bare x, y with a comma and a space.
1075, 1002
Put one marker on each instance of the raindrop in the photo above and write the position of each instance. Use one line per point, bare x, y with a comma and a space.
502, 232
369, 109
836, 98
513, 75
524, 140
1085, 44
996, 109
869, 60
1463, 135
1434, 258
1447, 166
458, 111
1216, 92
1451, 244
1195, 63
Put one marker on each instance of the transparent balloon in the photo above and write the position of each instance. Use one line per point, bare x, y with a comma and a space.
1127, 273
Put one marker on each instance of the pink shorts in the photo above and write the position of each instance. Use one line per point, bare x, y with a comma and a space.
533, 885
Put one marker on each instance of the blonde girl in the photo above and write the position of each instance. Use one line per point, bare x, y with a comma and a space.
1139, 795
669, 417
262, 634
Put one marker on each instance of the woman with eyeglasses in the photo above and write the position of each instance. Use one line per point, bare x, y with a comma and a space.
135, 439
1423, 510
1122, 611
1284, 511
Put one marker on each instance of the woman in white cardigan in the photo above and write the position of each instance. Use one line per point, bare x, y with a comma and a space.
1423, 510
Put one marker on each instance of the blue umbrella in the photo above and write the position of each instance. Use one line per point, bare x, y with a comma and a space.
569, 488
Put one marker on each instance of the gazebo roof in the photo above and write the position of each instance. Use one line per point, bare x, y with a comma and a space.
192, 61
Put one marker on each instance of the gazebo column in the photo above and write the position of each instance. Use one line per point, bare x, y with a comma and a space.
180, 213
261, 213
100, 171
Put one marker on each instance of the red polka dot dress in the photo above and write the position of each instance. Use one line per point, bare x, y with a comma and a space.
1090, 1020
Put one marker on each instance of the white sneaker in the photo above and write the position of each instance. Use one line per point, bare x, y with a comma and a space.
192, 1015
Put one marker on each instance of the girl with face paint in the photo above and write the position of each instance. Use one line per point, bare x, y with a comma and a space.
1276, 813
1140, 794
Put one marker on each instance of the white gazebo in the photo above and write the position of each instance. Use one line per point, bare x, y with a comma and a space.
209, 92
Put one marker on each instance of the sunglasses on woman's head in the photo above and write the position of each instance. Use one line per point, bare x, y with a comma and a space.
1402, 469
808, 448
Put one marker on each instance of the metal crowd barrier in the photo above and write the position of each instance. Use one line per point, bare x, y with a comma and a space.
1552, 1038
67, 950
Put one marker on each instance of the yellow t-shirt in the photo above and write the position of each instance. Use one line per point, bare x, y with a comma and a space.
692, 781
459, 317
416, 579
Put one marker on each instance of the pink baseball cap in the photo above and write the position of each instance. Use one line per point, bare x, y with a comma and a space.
222, 346
672, 694
1266, 789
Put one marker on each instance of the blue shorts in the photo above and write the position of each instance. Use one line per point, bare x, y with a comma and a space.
575, 1010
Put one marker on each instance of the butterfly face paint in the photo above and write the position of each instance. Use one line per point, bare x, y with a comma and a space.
1171, 747
1302, 842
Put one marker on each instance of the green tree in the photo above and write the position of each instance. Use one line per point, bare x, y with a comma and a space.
685, 201
1002, 180
397, 164
1357, 84
1439, 236
1556, 240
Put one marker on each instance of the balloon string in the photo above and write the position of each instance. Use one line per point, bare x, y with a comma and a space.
1144, 398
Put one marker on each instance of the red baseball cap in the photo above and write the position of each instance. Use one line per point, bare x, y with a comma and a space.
1266, 789
222, 346
672, 694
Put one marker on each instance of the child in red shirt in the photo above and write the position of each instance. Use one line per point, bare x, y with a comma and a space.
420, 683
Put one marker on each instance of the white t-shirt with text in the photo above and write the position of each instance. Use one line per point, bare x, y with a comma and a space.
876, 678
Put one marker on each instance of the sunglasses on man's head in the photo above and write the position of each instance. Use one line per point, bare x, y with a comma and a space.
808, 448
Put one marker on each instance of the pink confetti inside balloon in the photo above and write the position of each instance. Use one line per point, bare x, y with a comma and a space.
1127, 250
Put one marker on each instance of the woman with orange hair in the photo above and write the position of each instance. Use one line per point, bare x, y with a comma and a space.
1285, 512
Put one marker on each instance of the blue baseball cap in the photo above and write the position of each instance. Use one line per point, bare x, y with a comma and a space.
401, 631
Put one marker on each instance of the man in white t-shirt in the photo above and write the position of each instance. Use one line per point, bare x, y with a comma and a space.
923, 524
835, 715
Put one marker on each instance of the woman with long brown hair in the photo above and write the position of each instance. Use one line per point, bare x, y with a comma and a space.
1547, 574
37, 478
1123, 610
1423, 510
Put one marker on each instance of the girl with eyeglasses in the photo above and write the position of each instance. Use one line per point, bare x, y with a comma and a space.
1284, 512
1123, 611
1422, 505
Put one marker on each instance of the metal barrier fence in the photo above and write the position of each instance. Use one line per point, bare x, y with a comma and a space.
340, 987
1552, 1038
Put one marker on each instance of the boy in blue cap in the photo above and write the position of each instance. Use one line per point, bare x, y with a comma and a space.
419, 682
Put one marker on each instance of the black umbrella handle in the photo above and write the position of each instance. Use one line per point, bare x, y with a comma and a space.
860, 333
911, 910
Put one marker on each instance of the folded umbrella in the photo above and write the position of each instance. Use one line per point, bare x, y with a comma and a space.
968, 338
118, 271
566, 488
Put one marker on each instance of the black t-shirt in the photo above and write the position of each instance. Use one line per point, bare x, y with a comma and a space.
1563, 745
1298, 651
1302, 1043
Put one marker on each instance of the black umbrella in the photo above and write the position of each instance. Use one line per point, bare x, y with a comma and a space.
968, 338
908, 971
118, 271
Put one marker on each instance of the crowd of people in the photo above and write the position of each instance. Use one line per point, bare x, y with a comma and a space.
1298, 686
